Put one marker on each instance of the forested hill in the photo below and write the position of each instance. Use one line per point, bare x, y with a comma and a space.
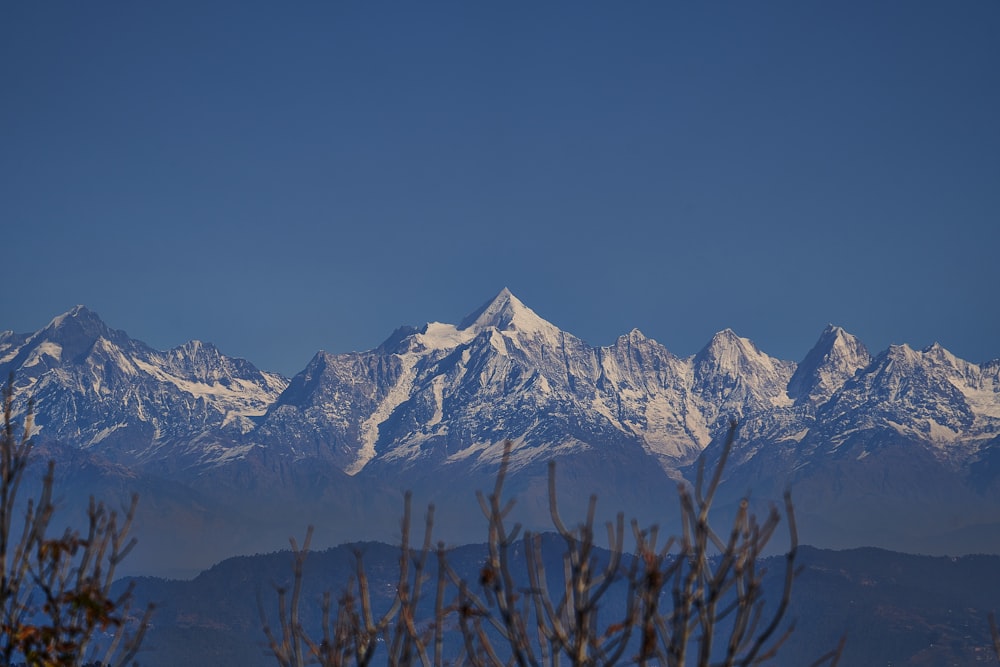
894, 608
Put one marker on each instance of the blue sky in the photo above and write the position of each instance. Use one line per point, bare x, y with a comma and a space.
279, 178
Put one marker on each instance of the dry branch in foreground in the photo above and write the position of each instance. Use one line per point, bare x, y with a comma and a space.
55, 592
697, 599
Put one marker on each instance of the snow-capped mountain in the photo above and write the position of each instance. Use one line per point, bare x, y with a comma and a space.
929, 395
446, 394
429, 409
96, 388
835, 358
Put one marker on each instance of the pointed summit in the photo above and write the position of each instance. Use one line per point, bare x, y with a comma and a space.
635, 335
901, 355
733, 375
958, 370
728, 352
61, 342
492, 312
733, 356
75, 331
834, 359
942, 355
505, 312
79, 316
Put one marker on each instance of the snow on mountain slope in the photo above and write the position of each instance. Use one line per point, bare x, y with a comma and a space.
322, 411
835, 358
732, 377
432, 406
979, 384
647, 391
10, 345
424, 391
456, 392
96, 387
446, 395
928, 395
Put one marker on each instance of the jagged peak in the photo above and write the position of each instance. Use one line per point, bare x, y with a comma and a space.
939, 351
505, 312
635, 334
900, 350
935, 351
833, 331
395, 339
311, 373
78, 326
835, 357
637, 340
632, 337
195, 347
727, 340
940, 355
901, 355
76, 313
731, 353
835, 338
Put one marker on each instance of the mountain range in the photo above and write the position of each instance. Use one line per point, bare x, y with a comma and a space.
899, 449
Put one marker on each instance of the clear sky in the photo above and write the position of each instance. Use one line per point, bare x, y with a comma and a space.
279, 178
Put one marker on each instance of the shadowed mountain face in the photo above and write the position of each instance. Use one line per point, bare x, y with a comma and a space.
897, 450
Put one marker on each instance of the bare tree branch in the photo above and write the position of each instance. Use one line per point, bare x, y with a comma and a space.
55, 592
698, 599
